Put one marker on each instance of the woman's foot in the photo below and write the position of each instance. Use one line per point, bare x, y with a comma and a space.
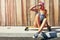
49, 28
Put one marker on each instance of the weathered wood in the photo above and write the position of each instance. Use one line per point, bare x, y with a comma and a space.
10, 13
19, 12
0, 14
24, 15
13, 14
59, 14
6, 15
22, 4
51, 12
3, 12
28, 12
56, 11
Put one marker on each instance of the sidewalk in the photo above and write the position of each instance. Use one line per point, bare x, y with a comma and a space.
18, 33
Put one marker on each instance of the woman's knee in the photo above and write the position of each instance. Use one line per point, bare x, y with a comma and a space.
35, 24
37, 15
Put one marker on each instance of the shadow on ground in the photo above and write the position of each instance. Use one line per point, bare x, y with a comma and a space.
23, 38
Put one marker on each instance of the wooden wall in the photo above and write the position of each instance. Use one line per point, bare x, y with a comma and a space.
16, 12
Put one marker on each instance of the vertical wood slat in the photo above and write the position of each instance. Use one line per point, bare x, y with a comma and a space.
59, 14
6, 17
19, 12
51, 12
22, 12
24, 16
3, 12
10, 21
13, 14
56, 11
0, 14
47, 8
9, 12
28, 12
6, 11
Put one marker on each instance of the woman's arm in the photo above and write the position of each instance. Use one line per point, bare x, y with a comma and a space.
34, 8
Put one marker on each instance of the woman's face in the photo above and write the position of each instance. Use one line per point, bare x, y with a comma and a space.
39, 8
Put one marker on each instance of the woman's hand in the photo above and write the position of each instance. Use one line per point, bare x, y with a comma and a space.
33, 8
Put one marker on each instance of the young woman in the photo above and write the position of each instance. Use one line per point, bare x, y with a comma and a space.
40, 20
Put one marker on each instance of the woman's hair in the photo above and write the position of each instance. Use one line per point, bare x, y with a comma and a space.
36, 9
42, 5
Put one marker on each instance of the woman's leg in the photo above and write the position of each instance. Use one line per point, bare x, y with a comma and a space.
48, 26
42, 25
37, 21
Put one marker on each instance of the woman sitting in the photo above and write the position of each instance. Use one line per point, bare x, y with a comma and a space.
40, 20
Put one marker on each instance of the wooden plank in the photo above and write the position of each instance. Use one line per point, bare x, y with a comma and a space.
22, 4
19, 12
8, 11
6, 18
56, 11
27, 11
10, 20
59, 14
47, 8
3, 12
0, 14
13, 14
51, 12
24, 17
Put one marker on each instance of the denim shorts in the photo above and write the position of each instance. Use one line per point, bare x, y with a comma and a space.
41, 18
